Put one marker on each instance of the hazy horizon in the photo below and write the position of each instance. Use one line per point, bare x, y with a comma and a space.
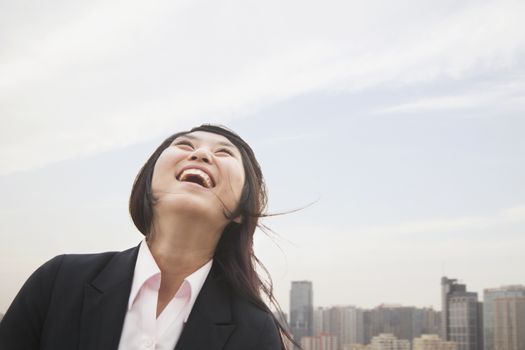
403, 122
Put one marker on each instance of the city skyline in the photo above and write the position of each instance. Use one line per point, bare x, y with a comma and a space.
508, 289
397, 304
401, 123
463, 323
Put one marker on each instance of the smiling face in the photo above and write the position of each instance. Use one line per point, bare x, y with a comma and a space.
201, 172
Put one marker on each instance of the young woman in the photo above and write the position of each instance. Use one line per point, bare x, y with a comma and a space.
191, 284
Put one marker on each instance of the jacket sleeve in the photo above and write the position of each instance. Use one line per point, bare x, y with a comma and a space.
22, 324
269, 339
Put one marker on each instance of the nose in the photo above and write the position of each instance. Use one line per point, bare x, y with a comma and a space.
201, 154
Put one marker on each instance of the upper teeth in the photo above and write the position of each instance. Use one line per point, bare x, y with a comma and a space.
196, 172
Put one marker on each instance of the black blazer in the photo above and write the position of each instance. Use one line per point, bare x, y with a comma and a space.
80, 301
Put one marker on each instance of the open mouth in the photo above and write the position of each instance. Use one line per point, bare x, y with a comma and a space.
196, 176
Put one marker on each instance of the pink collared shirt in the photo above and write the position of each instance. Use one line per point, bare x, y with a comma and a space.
142, 329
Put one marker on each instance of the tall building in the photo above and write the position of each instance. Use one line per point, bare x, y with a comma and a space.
405, 322
321, 320
489, 297
356, 346
388, 341
322, 341
345, 322
427, 321
509, 323
461, 315
401, 321
352, 327
433, 342
301, 309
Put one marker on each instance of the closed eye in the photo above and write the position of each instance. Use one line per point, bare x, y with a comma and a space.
184, 143
224, 150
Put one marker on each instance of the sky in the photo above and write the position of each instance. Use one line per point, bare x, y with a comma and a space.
401, 123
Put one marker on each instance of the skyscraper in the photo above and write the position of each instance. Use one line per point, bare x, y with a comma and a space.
352, 326
388, 341
321, 341
301, 309
461, 315
344, 322
427, 321
432, 342
321, 320
398, 320
490, 295
509, 323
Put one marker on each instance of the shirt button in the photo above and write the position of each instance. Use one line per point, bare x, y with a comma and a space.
147, 342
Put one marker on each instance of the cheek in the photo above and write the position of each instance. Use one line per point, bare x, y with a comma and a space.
235, 183
239, 186
162, 170
155, 181
242, 181
238, 178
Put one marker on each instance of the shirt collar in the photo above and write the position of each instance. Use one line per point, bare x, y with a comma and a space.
146, 269
196, 281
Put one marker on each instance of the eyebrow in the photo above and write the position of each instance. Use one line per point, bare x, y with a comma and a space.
220, 143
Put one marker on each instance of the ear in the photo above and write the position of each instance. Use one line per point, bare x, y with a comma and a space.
238, 219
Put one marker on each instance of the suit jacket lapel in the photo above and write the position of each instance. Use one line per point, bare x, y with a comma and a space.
105, 302
209, 325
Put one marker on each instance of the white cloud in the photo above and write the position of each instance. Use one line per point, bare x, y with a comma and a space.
438, 103
353, 265
460, 230
508, 96
113, 75
447, 225
283, 139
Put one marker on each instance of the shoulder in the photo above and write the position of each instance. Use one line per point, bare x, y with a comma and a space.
257, 324
55, 288
254, 325
74, 263
82, 263
247, 311
82, 268
77, 260
68, 269
71, 264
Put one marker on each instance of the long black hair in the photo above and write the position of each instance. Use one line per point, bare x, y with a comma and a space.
234, 252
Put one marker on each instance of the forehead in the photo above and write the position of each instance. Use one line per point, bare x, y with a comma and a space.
208, 137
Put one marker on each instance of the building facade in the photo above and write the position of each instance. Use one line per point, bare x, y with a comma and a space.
355, 346
509, 323
461, 316
433, 342
321, 320
320, 342
490, 295
401, 321
345, 322
301, 310
352, 326
388, 341
427, 321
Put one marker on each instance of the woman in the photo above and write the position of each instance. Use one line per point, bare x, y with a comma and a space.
191, 284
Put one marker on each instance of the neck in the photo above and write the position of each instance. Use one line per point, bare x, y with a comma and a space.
180, 244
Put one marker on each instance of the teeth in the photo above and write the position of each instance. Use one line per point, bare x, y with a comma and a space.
196, 172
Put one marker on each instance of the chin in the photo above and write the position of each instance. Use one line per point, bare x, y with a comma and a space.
190, 206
